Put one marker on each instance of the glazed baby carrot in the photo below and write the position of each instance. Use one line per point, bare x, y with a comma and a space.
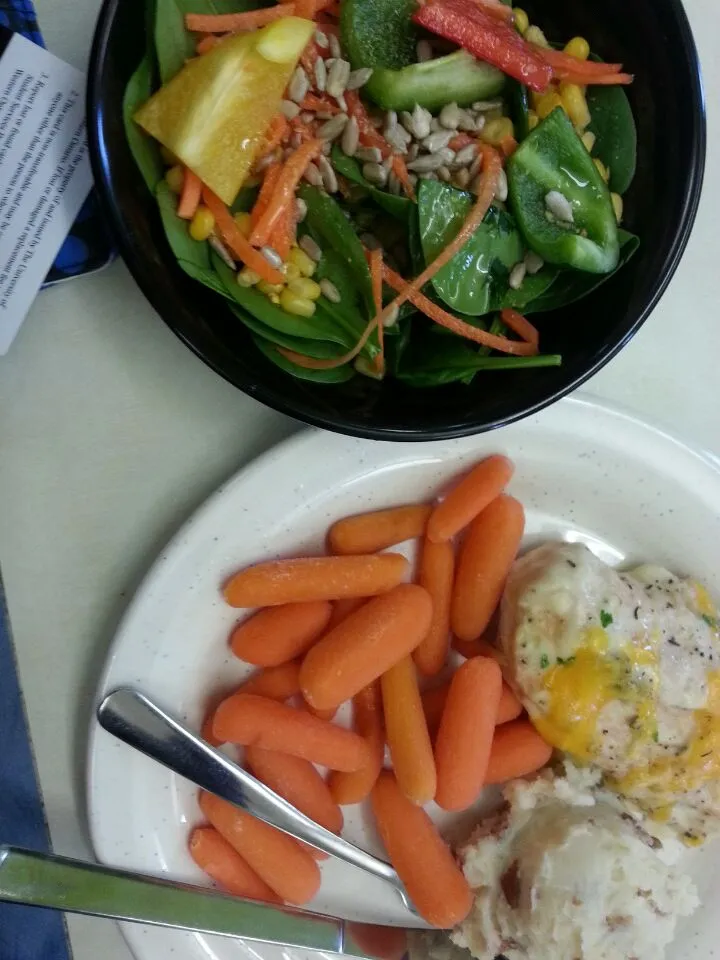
466, 733
424, 861
314, 578
343, 609
365, 645
490, 546
371, 532
465, 501
437, 568
328, 714
276, 858
276, 683
382, 943
348, 788
433, 701
227, 868
255, 721
475, 648
278, 634
517, 750
299, 783
407, 733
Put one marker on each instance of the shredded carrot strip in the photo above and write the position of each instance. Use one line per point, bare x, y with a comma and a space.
314, 103
264, 196
190, 196
283, 235
563, 61
284, 193
485, 195
508, 145
461, 140
309, 55
232, 22
447, 320
521, 326
310, 363
371, 138
207, 43
375, 260
275, 133
596, 79
401, 172
233, 238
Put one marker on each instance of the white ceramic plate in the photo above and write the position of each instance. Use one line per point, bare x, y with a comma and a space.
583, 472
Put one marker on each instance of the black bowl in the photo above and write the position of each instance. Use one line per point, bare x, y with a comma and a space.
651, 37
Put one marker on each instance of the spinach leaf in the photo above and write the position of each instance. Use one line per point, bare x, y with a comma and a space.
327, 223
572, 285
614, 126
320, 349
477, 275
173, 43
256, 303
519, 103
348, 313
533, 286
378, 33
400, 207
192, 256
144, 149
336, 375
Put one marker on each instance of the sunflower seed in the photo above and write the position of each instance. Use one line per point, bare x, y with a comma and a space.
312, 175
467, 122
517, 275
299, 85
413, 151
350, 138
501, 190
221, 250
328, 174
475, 166
423, 51
406, 120
394, 185
475, 185
436, 141
289, 109
369, 154
421, 119
358, 78
320, 75
338, 77
326, 148
435, 125
311, 248
448, 155
388, 162
480, 122
429, 175
335, 48
533, 262
342, 102
483, 106
398, 138
300, 209
392, 317
325, 115
462, 178
426, 164
375, 173
391, 121
449, 116
444, 174
559, 206
330, 291
333, 128
321, 40
465, 155
272, 257
307, 117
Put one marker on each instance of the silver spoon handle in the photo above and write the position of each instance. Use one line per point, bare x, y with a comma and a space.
137, 721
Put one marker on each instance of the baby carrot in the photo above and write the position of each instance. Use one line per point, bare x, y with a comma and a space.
486, 555
466, 733
275, 683
227, 868
465, 501
433, 701
433, 879
254, 721
328, 714
475, 648
407, 733
517, 750
437, 568
278, 634
343, 609
365, 645
190, 196
314, 578
348, 788
382, 943
371, 532
276, 858
299, 783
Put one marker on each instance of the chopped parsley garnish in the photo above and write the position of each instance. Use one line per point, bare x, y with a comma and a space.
655, 736
605, 618
710, 621
564, 660
544, 662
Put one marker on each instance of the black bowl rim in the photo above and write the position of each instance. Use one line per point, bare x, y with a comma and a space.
337, 423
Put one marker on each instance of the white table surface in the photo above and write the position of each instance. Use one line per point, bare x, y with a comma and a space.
112, 432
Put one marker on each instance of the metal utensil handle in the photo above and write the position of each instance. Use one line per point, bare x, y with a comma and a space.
43, 880
133, 718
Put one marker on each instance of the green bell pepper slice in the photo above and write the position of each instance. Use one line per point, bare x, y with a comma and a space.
553, 158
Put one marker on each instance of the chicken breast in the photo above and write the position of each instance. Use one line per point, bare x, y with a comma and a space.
621, 670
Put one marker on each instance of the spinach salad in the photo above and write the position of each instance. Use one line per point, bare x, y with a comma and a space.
383, 188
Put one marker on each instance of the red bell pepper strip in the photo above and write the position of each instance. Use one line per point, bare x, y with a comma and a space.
486, 38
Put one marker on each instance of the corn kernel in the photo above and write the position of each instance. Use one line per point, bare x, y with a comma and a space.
575, 104
617, 202
547, 103
578, 47
304, 287
168, 156
305, 264
271, 290
298, 306
247, 277
202, 224
522, 21
292, 272
243, 222
533, 119
535, 35
175, 178
588, 139
602, 169
496, 130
